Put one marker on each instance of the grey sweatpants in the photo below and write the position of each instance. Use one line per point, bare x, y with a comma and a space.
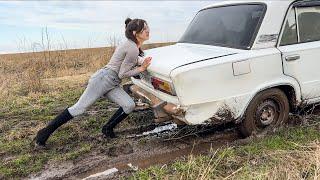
104, 81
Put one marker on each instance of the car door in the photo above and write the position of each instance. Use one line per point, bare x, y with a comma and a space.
300, 47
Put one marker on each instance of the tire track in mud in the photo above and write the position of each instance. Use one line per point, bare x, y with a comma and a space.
143, 151
162, 149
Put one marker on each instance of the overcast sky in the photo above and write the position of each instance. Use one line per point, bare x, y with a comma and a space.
80, 24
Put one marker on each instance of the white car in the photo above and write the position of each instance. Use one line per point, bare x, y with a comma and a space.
251, 62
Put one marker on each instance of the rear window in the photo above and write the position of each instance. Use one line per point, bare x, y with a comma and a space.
229, 26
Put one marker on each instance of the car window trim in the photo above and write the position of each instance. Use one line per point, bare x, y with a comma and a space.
297, 24
300, 4
283, 26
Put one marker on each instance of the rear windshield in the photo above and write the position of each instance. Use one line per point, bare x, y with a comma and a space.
229, 26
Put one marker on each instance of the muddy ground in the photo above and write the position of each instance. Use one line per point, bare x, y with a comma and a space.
141, 147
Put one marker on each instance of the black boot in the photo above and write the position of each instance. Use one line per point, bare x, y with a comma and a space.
117, 117
44, 133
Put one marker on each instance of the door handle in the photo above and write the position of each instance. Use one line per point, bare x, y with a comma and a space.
292, 57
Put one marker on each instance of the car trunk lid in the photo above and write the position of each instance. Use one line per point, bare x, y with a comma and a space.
165, 59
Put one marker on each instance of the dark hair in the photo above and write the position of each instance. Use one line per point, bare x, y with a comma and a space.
134, 25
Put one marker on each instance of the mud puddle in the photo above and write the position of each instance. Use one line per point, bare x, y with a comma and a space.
164, 146
156, 131
152, 144
167, 143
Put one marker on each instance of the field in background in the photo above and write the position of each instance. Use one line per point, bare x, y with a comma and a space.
23, 72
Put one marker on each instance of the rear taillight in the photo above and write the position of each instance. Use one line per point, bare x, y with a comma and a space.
162, 85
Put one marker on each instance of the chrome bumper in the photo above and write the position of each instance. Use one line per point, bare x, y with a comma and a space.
163, 111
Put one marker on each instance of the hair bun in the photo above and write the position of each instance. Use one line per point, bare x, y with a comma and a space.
127, 21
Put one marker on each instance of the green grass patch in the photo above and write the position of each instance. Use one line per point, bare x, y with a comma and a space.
14, 147
256, 160
69, 142
82, 149
284, 140
22, 165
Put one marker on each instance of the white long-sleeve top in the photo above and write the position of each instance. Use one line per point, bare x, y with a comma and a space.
125, 59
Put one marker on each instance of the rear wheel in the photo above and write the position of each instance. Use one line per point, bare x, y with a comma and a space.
268, 110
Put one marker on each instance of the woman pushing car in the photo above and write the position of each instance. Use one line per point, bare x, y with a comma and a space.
126, 62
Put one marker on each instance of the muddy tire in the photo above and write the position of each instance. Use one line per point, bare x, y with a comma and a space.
268, 110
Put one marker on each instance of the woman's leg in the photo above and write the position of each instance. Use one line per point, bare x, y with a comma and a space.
120, 97
127, 105
94, 90
92, 93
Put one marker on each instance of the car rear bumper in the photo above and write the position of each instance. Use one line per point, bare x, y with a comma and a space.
163, 111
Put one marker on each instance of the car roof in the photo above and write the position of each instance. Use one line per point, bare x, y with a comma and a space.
224, 3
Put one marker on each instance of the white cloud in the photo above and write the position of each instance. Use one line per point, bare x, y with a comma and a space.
167, 19
79, 14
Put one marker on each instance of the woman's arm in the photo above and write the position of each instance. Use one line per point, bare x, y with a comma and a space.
128, 66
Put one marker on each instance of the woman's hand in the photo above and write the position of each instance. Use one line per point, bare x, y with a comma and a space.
146, 63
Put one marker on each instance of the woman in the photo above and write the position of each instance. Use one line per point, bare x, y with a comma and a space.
123, 63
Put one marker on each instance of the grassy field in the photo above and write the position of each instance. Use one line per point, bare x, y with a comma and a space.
35, 87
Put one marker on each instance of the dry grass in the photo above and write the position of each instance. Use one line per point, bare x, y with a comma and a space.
23, 73
303, 163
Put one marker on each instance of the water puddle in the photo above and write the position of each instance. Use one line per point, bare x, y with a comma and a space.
164, 156
102, 174
156, 130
